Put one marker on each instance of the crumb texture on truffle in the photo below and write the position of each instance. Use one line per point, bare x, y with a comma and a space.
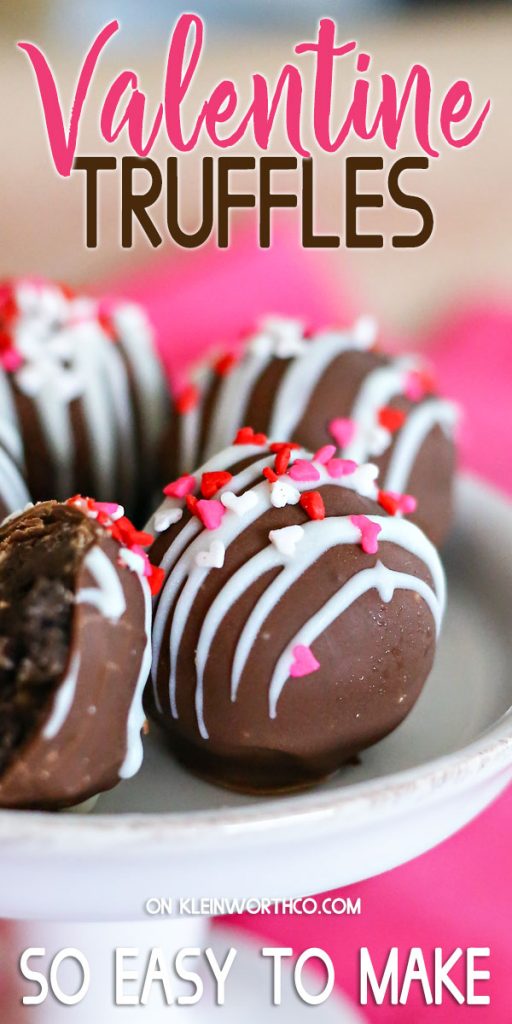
40, 555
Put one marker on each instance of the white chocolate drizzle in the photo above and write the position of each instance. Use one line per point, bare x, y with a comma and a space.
108, 596
136, 715
63, 700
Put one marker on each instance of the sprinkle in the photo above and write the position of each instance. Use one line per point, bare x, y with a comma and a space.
394, 503
369, 532
239, 503
225, 363
324, 454
187, 399
156, 579
286, 539
271, 476
213, 558
391, 419
246, 435
340, 467
365, 330
210, 513
132, 560
282, 493
418, 383
212, 482
313, 504
181, 487
282, 460
277, 446
342, 430
110, 509
304, 471
304, 662
191, 501
166, 517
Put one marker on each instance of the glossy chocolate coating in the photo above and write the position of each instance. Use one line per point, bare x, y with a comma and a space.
374, 659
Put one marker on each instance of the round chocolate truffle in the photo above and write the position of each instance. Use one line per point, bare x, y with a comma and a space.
75, 652
329, 387
297, 621
82, 381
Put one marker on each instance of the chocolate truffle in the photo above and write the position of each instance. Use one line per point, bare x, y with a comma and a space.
297, 621
82, 380
329, 387
75, 652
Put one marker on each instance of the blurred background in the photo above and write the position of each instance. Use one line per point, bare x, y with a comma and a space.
41, 216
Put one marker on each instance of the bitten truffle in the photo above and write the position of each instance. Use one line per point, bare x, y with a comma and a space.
75, 652
81, 381
297, 621
330, 387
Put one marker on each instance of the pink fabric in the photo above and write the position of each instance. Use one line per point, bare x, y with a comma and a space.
458, 894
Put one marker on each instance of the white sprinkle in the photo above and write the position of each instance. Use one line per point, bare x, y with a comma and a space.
166, 517
213, 558
286, 539
239, 503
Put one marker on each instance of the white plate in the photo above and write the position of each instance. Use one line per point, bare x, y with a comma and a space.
167, 834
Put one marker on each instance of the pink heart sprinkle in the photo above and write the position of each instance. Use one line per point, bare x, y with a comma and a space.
110, 509
342, 430
324, 454
181, 487
304, 662
11, 360
369, 532
406, 503
210, 512
340, 467
414, 388
303, 470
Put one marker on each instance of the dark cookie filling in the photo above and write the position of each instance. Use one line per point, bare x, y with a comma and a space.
40, 555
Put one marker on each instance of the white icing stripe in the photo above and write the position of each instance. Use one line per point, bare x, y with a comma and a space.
108, 597
232, 401
136, 341
410, 438
136, 716
302, 376
63, 700
190, 422
56, 425
123, 465
377, 389
318, 538
386, 581
231, 456
12, 486
98, 408
190, 541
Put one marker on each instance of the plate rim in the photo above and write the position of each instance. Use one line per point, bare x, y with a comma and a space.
485, 757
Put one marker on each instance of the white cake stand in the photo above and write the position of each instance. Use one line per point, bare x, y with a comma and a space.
167, 834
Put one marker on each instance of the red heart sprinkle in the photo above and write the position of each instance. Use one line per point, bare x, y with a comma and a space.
391, 419
313, 503
246, 435
191, 503
187, 399
278, 446
212, 482
225, 364
282, 459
